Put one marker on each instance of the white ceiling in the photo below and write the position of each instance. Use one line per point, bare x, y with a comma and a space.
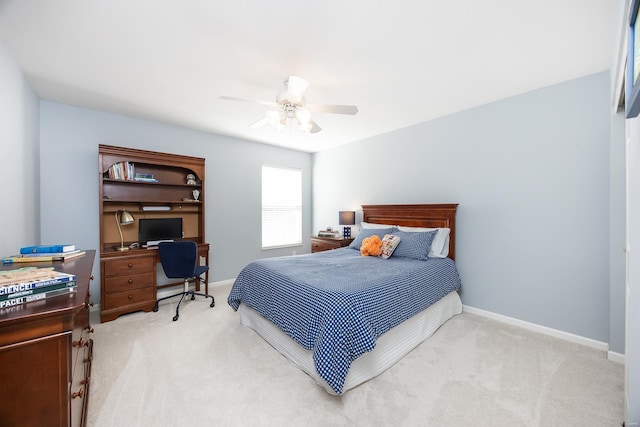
401, 62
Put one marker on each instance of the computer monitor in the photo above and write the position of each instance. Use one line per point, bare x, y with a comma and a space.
154, 229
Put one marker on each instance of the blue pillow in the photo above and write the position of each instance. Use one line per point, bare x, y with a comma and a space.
414, 245
368, 232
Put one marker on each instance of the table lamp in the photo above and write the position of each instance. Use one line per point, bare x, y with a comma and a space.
122, 218
346, 218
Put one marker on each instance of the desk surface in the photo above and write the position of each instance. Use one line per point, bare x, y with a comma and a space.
203, 250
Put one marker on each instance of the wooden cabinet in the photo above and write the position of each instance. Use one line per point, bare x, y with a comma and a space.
45, 355
128, 283
147, 184
319, 244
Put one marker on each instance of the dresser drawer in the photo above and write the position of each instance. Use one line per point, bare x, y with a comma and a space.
128, 282
133, 296
320, 246
129, 265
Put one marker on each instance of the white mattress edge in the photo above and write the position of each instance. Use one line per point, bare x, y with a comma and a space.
390, 347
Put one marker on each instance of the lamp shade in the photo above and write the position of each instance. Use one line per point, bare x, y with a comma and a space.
346, 217
125, 218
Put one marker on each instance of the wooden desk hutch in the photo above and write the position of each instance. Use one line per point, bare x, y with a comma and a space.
159, 190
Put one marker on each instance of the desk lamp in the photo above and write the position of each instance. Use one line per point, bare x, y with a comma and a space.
122, 218
346, 218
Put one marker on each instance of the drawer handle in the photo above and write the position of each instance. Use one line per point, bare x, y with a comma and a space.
129, 265
80, 343
130, 281
130, 296
78, 393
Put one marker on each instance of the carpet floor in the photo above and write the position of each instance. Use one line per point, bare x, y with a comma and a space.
208, 370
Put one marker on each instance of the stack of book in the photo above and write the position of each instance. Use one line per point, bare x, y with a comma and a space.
32, 284
44, 253
122, 171
144, 177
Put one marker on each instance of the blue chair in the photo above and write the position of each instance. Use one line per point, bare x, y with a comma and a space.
180, 260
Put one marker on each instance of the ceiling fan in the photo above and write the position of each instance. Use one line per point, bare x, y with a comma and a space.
290, 107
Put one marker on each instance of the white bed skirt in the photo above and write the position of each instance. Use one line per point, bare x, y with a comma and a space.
390, 347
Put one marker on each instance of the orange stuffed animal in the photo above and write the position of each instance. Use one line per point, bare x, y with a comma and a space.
371, 246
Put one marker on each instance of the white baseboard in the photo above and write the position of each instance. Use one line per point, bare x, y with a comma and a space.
175, 289
222, 283
576, 339
616, 357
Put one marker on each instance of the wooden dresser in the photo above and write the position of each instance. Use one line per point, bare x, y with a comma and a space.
45, 354
319, 244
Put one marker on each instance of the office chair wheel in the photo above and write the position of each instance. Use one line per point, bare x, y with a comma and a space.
213, 303
176, 317
193, 296
155, 308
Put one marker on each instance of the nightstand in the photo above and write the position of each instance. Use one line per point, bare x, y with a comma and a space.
320, 244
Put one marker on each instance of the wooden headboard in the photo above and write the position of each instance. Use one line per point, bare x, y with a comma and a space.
431, 216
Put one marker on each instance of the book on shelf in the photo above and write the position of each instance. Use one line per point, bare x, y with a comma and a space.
37, 296
145, 177
37, 249
19, 293
44, 257
123, 171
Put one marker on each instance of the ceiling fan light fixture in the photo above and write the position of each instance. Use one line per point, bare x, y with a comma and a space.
275, 119
290, 108
305, 127
303, 116
295, 88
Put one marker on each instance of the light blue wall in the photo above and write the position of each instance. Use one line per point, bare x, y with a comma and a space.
531, 175
69, 185
19, 174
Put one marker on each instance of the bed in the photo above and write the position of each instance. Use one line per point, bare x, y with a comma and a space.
344, 318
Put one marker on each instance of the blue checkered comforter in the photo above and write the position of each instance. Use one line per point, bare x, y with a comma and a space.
337, 303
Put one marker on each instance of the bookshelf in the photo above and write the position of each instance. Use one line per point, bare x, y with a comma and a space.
147, 184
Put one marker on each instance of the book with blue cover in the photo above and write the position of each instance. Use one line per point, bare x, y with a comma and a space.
47, 249
53, 254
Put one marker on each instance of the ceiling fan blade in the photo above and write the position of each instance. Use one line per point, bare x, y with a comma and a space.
233, 98
314, 127
263, 121
335, 109
295, 88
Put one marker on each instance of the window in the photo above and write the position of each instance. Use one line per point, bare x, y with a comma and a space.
281, 207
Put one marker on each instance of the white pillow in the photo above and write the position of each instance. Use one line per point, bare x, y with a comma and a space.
440, 244
375, 226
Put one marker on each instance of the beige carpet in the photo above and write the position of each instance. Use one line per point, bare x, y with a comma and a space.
208, 370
